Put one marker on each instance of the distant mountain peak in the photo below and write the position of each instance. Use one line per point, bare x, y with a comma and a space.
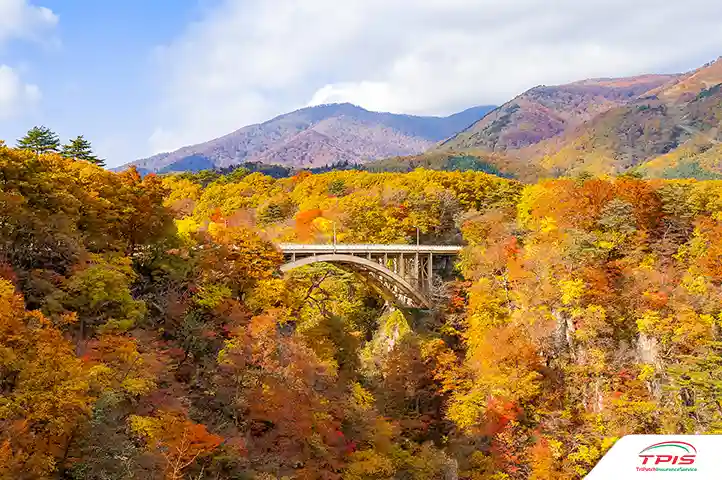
315, 136
545, 112
686, 87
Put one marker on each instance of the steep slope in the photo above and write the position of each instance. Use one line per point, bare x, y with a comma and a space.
546, 112
685, 114
317, 136
686, 87
697, 158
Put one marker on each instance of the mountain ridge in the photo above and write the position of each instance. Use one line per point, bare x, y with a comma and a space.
316, 136
544, 112
662, 133
603, 125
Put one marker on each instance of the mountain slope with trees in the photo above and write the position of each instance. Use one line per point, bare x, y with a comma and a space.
656, 125
672, 127
549, 111
317, 136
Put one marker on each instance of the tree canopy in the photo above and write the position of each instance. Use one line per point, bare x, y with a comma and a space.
147, 332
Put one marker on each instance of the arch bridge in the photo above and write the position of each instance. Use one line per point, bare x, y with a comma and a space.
404, 274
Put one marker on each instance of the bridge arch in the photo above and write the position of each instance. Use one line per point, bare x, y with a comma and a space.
391, 285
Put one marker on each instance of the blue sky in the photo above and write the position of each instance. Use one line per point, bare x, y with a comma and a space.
95, 69
137, 77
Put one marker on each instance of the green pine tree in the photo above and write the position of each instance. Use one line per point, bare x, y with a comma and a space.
39, 140
80, 149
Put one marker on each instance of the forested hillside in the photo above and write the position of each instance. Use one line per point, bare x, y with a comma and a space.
545, 112
660, 126
672, 127
146, 330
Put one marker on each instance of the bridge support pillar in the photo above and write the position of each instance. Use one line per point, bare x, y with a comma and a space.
417, 271
430, 272
402, 266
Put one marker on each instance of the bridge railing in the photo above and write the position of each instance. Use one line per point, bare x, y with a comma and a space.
369, 248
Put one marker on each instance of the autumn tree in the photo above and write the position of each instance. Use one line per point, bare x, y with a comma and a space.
44, 390
178, 441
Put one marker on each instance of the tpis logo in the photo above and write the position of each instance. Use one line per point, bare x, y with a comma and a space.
669, 456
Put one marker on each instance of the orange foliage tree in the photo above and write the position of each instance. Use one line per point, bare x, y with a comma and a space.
44, 391
176, 439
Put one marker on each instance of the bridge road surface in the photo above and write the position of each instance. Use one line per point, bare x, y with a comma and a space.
357, 248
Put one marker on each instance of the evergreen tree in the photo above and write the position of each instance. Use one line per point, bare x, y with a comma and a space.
39, 140
80, 149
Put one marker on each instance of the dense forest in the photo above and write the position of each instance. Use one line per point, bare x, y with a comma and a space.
146, 331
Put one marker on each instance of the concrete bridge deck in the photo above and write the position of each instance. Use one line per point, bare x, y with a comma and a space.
352, 248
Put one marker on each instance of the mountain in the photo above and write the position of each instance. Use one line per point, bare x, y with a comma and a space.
671, 131
665, 126
548, 111
656, 125
317, 136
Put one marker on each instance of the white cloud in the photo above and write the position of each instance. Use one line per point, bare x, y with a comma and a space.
15, 95
19, 19
248, 60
